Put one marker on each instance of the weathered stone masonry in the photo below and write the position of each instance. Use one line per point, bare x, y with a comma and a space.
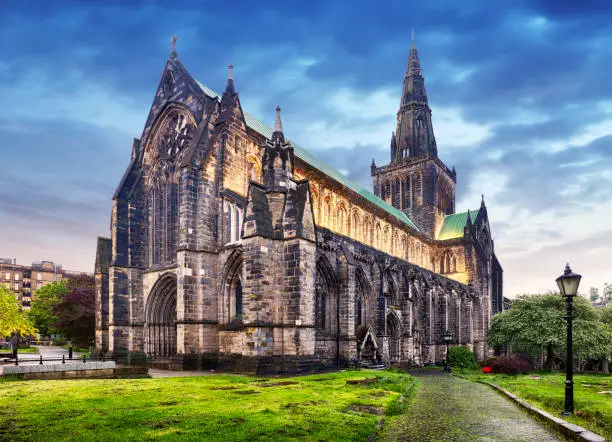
233, 247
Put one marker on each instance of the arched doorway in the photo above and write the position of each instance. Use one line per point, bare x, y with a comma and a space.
367, 349
394, 331
160, 318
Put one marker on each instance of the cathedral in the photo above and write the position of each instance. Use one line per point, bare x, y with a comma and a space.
234, 248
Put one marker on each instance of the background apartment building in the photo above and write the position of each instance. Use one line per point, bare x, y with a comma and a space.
25, 280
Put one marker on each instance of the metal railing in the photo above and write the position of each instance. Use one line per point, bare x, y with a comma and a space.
41, 360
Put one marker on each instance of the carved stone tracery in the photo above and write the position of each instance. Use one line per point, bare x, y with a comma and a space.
174, 136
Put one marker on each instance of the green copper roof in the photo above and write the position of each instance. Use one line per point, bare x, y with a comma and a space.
310, 159
454, 225
208, 91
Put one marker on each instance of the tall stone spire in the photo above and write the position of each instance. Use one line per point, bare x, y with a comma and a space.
414, 134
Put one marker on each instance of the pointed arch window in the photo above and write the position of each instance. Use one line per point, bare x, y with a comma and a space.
387, 240
320, 303
448, 262
328, 213
395, 193
367, 231
238, 300
406, 195
418, 189
355, 227
342, 220
233, 223
163, 218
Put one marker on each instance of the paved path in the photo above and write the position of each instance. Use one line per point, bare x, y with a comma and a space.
447, 408
47, 351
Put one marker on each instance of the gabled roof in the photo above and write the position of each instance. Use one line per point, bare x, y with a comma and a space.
315, 162
454, 225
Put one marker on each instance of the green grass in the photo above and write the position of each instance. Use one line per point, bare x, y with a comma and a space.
218, 407
31, 350
76, 349
592, 410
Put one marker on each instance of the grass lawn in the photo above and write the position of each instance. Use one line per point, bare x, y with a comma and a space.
331, 406
592, 410
31, 350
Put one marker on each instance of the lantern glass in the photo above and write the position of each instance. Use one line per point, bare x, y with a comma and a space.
568, 282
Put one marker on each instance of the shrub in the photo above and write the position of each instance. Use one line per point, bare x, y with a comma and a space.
488, 362
509, 365
461, 356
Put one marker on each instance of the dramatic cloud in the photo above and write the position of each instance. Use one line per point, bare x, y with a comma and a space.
521, 100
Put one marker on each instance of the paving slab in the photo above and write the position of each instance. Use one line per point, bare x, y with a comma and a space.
452, 409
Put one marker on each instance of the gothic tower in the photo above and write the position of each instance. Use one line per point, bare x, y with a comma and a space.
416, 181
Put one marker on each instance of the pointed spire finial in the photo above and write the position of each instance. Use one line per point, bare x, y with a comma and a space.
412, 35
173, 43
230, 72
278, 125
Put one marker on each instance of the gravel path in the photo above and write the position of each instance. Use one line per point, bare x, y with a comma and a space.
447, 408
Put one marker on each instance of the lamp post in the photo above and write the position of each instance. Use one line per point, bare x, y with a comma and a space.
568, 285
447, 340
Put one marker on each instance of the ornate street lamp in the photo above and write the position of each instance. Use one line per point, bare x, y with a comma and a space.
447, 340
568, 285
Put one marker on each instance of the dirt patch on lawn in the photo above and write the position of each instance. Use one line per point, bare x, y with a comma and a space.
168, 403
294, 405
361, 381
165, 423
278, 384
367, 409
229, 387
243, 392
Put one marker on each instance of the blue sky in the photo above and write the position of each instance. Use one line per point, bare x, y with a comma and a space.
521, 99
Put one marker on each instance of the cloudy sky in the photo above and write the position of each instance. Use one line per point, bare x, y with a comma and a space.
521, 99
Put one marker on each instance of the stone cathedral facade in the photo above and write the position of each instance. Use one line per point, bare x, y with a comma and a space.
233, 247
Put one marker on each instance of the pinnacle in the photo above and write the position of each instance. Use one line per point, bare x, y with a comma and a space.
278, 125
173, 41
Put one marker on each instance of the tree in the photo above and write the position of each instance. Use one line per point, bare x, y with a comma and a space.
536, 322
606, 316
12, 319
75, 312
43, 302
607, 293
594, 294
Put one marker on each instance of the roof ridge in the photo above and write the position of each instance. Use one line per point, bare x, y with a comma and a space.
305, 155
